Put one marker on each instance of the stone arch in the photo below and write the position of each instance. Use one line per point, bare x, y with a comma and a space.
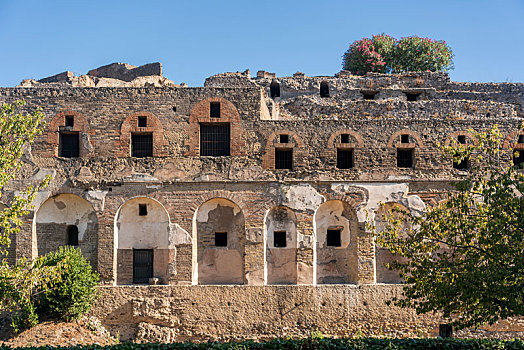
54, 218
81, 126
143, 223
454, 135
382, 255
355, 139
280, 259
394, 139
153, 126
218, 243
273, 142
335, 260
201, 114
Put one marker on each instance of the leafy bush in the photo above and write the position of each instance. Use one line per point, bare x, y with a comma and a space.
385, 54
73, 296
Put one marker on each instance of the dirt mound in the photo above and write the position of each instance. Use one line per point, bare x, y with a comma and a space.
83, 332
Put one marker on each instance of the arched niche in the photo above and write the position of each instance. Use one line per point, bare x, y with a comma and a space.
382, 255
281, 246
336, 230
142, 231
220, 241
55, 219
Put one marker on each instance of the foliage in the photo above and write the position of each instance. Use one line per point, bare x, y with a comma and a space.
385, 54
19, 283
73, 296
325, 343
465, 257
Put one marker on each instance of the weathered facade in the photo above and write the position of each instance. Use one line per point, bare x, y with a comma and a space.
246, 199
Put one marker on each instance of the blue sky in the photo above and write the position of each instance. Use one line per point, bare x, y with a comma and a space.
196, 39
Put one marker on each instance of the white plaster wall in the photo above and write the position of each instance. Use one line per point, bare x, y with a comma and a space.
143, 232
66, 209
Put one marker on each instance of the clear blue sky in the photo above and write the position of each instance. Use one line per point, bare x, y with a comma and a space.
196, 39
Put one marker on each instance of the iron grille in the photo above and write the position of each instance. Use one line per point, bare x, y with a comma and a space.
283, 158
141, 145
69, 145
214, 140
142, 265
404, 158
344, 158
72, 235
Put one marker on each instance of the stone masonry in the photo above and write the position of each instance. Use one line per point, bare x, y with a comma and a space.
245, 200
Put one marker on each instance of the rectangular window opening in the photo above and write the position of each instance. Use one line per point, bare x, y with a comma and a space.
279, 239
142, 265
283, 158
461, 139
518, 158
141, 145
214, 109
69, 145
521, 139
344, 158
344, 138
412, 96
215, 140
69, 121
142, 209
142, 122
404, 138
463, 165
333, 238
369, 95
220, 239
404, 158
284, 138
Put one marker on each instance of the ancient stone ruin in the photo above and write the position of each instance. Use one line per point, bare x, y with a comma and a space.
238, 209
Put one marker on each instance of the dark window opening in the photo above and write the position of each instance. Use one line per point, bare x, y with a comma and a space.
174, 108
283, 158
69, 145
142, 265
220, 239
344, 138
369, 95
274, 89
445, 330
284, 138
142, 122
69, 121
404, 158
324, 89
279, 239
404, 138
412, 96
72, 235
333, 238
141, 145
462, 165
214, 140
142, 210
214, 110
344, 158
518, 160
521, 139
461, 139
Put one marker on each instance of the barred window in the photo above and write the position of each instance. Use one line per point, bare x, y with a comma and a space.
141, 145
344, 158
142, 265
215, 140
283, 158
69, 145
404, 158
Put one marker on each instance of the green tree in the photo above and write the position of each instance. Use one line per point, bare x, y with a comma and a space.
20, 283
465, 257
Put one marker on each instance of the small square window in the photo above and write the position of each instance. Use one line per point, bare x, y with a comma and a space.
412, 96
333, 238
69, 121
284, 138
344, 138
369, 95
461, 139
142, 209
142, 122
404, 138
521, 139
220, 239
214, 110
279, 239
404, 158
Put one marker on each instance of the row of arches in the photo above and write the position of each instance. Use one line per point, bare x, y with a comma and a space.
145, 241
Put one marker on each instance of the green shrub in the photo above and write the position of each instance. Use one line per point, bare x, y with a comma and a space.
74, 295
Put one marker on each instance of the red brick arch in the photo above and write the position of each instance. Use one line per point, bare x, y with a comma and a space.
268, 160
510, 140
332, 142
81, 125
153, 126
456, 134
228, 114
394, 139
